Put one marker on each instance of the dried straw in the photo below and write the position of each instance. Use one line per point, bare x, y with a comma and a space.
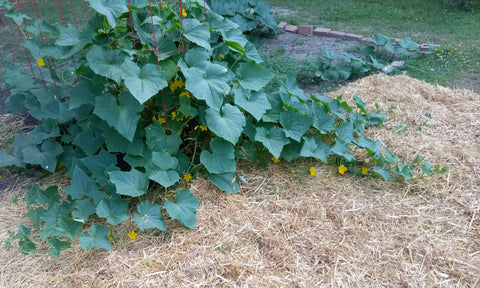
293, 230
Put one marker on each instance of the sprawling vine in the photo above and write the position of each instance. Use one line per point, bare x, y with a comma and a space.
129, 116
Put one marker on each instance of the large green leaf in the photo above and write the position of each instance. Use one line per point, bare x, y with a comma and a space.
149, 215
331, 105
47, 129
117, 143
100, 164
345, 132
183, 208
122, 115
37, 195
186, 107
227, 124
253, 76
69, 36
81, 185
40, 26
291, 151
132, 183
52, 216
142, 23
273, 139
321, 119
97, 238
380, 39
197, 32
115, 210
290, 86
8, 160
6, 4
206, 81
316, 148
143, 82
385, 173
409, 44
17, 16
158, 140
112, 9
161, 169
252, 53
294, 124
225, 182
221, 159
82, 94
45, 156
57, 246
340, 148
374, 148
95, 140
107, 63
69, 227
255, 103
83, 210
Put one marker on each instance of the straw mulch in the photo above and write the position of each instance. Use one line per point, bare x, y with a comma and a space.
293, 230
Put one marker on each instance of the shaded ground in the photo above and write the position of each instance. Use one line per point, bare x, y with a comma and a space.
301, 47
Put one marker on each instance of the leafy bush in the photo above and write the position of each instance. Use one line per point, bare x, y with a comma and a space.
128, 122
249, 15
334, 67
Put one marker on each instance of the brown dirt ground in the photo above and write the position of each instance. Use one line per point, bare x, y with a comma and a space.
293, 230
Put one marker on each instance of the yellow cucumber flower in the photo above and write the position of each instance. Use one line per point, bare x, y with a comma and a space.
40, 62
187, 177
342, 169
132, 235
176, 83
201, 127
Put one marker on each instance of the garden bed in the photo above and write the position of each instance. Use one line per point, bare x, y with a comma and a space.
287, 228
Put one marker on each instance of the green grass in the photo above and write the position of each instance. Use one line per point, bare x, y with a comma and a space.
424, 21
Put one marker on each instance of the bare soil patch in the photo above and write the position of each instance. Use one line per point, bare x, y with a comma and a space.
301, 47
292, 230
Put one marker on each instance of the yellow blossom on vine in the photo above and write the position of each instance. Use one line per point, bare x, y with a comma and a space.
313, 171
342, 169
110, 238
170, 196
184, 13
161, 120
330, 176
176, 83
174, 115
221, 56
187, 177
132, 235
365, 170
154, 119
1, 176
275, 160
40, 62
201, 127
185, 93
293, 171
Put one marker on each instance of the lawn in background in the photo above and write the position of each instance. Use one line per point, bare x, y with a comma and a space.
423, 20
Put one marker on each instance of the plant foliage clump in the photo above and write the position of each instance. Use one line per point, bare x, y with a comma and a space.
126, 121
